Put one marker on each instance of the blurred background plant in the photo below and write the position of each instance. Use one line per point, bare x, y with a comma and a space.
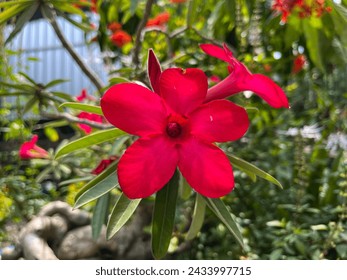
300, 44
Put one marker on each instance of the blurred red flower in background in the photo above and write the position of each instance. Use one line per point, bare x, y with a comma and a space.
120, 38
29, 149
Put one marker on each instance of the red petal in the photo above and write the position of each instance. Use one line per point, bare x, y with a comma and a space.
219, 121
147, 166
206, 168
134, 109
215, 51
268, 90
154, 71
183, 90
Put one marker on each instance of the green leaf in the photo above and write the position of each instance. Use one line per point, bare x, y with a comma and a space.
313, 44
55, 82
220, 210
99, 215
30, 80
192, 12
30, 104
164, 217
89, 140
110, 170
133, 6
12, 12
22, 20
249, 168
185, 189
118, 80
68, 8
62, 95
98, 190
13, 2
83, 107
81, 25
121, 213
198, 217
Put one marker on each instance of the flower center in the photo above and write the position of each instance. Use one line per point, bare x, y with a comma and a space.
173, 129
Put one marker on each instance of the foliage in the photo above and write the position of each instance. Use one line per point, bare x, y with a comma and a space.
296, 209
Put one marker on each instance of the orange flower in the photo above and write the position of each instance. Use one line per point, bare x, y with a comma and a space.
120, 38
114, 26
160, 20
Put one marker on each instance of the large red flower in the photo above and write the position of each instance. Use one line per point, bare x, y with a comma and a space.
29, 149
241, 79
176, 129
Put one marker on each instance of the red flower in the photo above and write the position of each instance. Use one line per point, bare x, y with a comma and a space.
29, 150
160, 20
299, 63
94, 7
103, 165
84, 96
88, 116
176, 129
241, 79
215, 79
304, 8
114, 26
120, 38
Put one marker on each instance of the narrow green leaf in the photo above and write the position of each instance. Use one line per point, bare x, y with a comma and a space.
83, 26
13, 2
133, 6
109, 171
83, 107
89, 140
218, 207
30, 80
192, 12
68, 8
100, 215
164, 217
198, 217
55, 82
24, 87
250, 168
62, 95
75, 181
97, 190
185, 189
18, 93
22, 20
30, 104
13, 11
121, 213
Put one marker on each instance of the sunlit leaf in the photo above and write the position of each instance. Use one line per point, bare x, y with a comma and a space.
249, 169
89, 140
121, 213
98, 190
109, 171
83, 107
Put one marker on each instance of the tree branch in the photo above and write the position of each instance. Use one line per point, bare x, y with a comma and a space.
51, 15
140, 27
70, 118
